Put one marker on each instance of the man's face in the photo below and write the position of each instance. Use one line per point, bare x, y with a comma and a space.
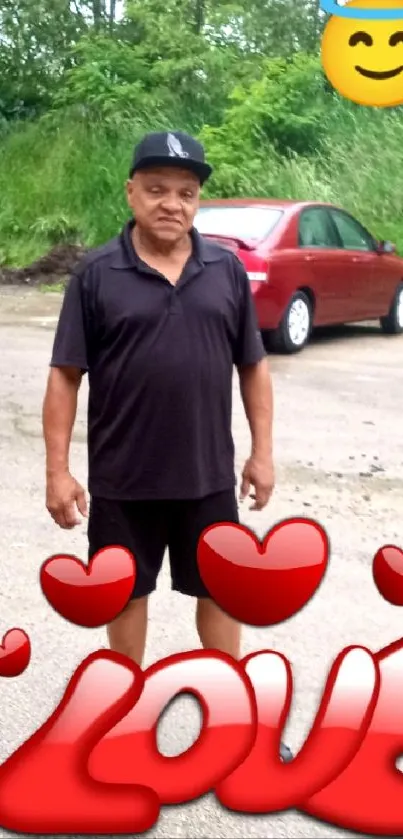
164, 202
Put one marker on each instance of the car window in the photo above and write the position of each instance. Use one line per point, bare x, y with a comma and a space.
353, 236
246, 222
316, 229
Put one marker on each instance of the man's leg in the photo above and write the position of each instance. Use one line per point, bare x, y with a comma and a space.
216, 629
127, 634
138, 526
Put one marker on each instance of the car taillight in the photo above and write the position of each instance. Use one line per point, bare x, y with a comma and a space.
258, 276
258, 270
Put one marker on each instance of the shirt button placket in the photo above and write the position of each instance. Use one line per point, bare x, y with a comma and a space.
174, 302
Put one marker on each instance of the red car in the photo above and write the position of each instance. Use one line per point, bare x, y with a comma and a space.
309, 264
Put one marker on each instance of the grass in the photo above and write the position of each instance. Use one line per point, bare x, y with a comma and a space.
65, 181
56, 288
60, 185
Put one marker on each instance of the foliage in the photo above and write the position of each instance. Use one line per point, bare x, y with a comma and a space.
82, 80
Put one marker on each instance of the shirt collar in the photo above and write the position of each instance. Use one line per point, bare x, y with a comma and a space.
126, 257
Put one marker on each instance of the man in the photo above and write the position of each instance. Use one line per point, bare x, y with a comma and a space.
158, 317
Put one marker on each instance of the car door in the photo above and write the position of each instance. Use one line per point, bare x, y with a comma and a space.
321, 252
362, 265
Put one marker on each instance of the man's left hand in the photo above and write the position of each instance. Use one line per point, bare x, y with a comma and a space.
258, 472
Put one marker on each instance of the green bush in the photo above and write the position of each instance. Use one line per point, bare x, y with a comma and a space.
272, 127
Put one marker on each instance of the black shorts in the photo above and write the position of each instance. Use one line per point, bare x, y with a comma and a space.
148, 528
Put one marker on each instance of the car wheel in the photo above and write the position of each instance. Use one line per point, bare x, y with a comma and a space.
294, 331
392, 324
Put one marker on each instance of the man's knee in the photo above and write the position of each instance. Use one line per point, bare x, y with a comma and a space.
216, 629
127, 633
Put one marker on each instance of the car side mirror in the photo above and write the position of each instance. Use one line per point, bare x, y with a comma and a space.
386, 247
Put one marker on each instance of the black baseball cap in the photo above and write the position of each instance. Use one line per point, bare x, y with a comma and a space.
171, 148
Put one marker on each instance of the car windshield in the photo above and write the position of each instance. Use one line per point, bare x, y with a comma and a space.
239, 222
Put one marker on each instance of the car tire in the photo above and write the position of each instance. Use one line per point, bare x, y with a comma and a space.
392, 324
294, 330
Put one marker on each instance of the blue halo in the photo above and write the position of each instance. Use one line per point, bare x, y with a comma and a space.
331, 7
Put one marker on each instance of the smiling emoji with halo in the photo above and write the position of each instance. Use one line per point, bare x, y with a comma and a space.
363, 58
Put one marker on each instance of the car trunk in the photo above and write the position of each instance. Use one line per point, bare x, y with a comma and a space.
256, 266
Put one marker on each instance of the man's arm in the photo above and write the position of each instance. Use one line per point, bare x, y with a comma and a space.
257, 396
63, 492
58, 416
69, 361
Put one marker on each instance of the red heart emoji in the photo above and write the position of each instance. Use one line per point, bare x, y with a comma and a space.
15, 653
263, 583
387, 571
91, 595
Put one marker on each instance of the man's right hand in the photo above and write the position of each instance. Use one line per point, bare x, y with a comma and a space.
64, 496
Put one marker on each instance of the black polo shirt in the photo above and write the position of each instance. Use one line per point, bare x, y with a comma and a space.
160, 360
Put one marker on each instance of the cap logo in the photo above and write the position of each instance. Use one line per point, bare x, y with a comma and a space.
175, 147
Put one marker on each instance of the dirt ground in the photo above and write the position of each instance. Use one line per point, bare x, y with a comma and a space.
339, 456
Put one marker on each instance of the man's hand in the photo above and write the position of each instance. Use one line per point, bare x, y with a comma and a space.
64, 495
259, 473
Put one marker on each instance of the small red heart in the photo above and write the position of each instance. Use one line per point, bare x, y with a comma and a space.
89, 595
15, 653
263, 583
387, 571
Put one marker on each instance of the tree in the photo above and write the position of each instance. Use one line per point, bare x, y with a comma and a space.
274, 28
34, 52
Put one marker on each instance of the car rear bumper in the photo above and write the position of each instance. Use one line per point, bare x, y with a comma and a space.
270, 304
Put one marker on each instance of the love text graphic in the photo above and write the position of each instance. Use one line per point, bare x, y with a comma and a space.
94, 766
